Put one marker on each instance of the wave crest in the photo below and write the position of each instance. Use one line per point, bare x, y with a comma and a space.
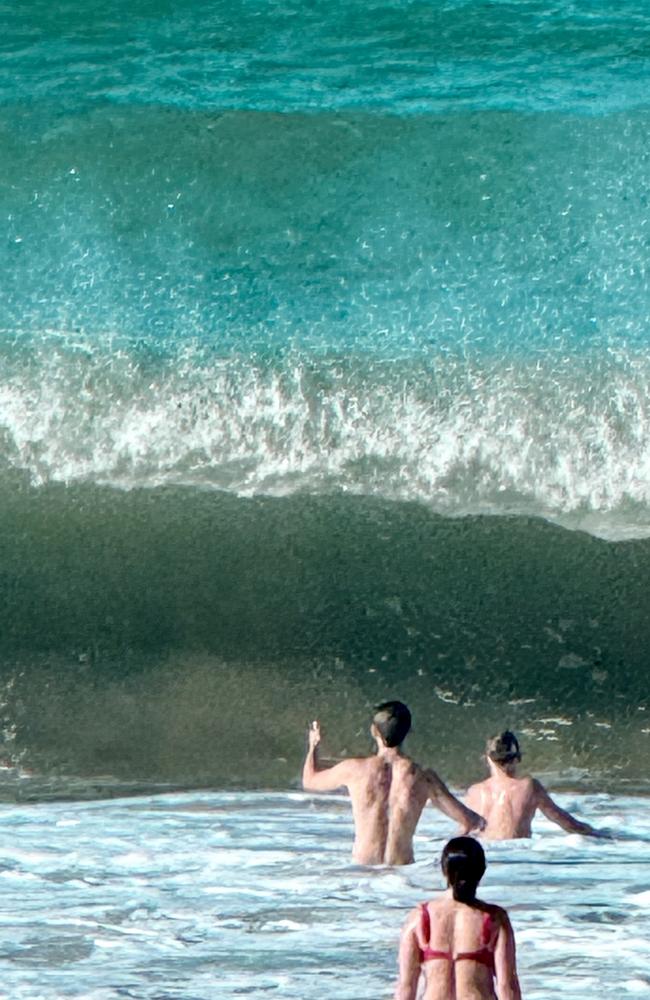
560, 438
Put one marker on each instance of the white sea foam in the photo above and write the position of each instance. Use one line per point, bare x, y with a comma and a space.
556, 439
303, 922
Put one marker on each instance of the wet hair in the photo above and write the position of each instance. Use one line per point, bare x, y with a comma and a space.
393, 720
504, 748
463, 865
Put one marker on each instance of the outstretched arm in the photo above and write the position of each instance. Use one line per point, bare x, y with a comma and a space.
505, 962
315, 779
560, 816
409, 960
451, 806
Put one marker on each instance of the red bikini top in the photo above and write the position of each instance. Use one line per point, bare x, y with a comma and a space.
484, 955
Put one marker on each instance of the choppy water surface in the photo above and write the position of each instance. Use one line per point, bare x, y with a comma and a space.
323, 328
201, 896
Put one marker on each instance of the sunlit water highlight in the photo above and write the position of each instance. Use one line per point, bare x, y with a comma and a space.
204, 895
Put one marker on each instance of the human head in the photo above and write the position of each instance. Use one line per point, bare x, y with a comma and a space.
504, 749
392, 720
463, 865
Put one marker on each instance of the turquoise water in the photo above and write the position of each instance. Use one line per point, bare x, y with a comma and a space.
397, 57
323, 379
229, 895
397, 250
323, 369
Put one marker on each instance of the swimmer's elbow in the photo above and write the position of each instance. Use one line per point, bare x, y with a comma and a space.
508, 985
512, 989
405, 993
309, 777
568, 823
407, 986
472, 822
310, 781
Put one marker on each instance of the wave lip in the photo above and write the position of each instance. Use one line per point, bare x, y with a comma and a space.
567, 439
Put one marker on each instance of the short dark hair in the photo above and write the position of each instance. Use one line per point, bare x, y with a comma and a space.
463, 865
504, 748
393, 720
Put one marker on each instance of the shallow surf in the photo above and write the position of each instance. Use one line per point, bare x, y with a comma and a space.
213, 896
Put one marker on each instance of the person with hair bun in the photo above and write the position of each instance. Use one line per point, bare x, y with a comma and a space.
464, 948
509, 802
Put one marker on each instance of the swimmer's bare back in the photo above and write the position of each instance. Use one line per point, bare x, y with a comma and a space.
463, 951
388, 793
509, 804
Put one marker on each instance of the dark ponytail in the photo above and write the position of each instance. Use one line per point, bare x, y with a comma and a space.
463, 865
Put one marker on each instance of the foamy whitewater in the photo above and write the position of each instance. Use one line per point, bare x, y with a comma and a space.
324, 378
217, 896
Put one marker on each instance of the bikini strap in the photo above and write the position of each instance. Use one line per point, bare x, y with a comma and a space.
425, 924
487, 928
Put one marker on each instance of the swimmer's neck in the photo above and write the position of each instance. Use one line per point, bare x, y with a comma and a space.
501, 771
387, 753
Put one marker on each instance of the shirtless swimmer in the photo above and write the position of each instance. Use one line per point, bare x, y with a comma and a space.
388, 791
509, 802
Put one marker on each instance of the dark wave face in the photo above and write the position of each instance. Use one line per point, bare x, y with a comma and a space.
320, 326
182, 635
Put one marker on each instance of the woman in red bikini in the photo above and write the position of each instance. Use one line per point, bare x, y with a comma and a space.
464, 947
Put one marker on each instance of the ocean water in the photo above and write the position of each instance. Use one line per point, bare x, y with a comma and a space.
323, 378
213, 896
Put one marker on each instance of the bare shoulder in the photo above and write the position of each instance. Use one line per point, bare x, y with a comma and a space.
497, 914
407, 766
428, 774
360, 763
477, 795
428, 780
359, 767
414, 919
536, 787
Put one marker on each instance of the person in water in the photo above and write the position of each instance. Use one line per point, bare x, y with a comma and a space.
509, 802
463, 946
388, 790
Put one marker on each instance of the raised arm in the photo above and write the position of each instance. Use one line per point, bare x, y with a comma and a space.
315, 779
409, 960
505, 962
560, 816
451, 806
